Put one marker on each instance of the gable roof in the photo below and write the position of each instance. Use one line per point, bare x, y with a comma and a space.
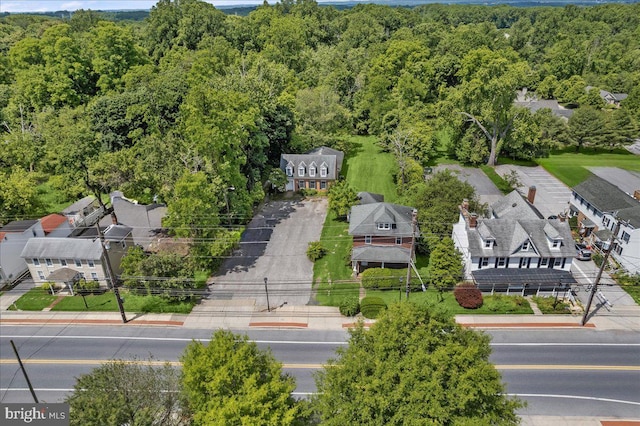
364, 218
62, 248
145, 219
509, 234
514, 206
329, 156
18, 225
604, 195
79, 205
631, 215
370, 197
51, 222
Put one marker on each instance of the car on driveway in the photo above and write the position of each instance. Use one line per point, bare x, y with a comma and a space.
583, 252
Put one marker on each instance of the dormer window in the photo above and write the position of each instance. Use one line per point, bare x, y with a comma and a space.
525, 246
384, 226
312, 170
488, 243
301, 170
289, 171
555, 244
323, 171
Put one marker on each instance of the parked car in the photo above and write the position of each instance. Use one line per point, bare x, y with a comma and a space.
583, 252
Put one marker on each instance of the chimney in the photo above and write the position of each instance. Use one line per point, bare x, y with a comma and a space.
636, 194
531, 196
114, 218
473, 220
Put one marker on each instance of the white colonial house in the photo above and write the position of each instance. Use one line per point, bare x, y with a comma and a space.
515, 248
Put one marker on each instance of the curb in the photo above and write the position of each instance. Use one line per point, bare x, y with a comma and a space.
91, 322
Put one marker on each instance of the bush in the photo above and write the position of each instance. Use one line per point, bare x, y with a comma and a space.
48, 286
87, 287
315, 251
350, 306
597, 259
372, 306
380, 279
468, 296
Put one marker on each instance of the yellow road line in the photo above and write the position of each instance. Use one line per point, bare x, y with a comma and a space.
318, 366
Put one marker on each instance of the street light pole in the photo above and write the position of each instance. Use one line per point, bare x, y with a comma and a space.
266, 290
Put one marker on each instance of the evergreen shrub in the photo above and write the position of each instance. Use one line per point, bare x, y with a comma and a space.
372, 306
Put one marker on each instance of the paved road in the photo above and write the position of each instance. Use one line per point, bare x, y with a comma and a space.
273, 246
558, 372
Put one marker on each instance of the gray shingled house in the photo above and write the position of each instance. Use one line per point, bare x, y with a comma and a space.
316, 169
515, 249
382, 236
600, 205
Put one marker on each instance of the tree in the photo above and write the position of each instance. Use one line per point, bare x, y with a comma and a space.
445, 266
586, 126
19, 196
437, 201
413, 366
341, 198
231, 381
485, 97
127, 392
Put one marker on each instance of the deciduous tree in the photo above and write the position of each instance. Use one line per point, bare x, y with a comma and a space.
413, 366
231, 381
129, 392
445, 266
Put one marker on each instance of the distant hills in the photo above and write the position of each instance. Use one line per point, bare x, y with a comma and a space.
245, 9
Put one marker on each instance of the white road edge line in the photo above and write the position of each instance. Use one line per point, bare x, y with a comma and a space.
590, 398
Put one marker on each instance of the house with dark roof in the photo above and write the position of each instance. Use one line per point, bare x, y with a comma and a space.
144, 219
317, 169
515, 249
533, 104
600, 205
66, 260
13, 238
383, 235
610, 98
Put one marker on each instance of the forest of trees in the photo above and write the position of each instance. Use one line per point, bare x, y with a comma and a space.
190, 102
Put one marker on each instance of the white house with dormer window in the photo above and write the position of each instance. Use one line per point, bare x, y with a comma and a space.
302, 169
516, 250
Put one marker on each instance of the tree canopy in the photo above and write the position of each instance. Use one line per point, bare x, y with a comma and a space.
231, 381
413, 366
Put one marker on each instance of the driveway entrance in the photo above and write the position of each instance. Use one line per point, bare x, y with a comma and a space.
274, 246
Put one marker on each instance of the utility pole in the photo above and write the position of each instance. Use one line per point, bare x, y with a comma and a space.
594, 289
266, 290
414, 220
111, 279
24, 372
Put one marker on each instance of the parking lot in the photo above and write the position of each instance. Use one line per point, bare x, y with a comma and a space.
274, 247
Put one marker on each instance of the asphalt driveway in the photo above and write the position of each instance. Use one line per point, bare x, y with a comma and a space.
273, 246
486, 190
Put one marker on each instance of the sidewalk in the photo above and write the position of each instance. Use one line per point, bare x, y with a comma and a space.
241, 314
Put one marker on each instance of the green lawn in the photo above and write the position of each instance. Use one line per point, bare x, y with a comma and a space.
37, 299
371, 169
496, 304
570, 166
497, 180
